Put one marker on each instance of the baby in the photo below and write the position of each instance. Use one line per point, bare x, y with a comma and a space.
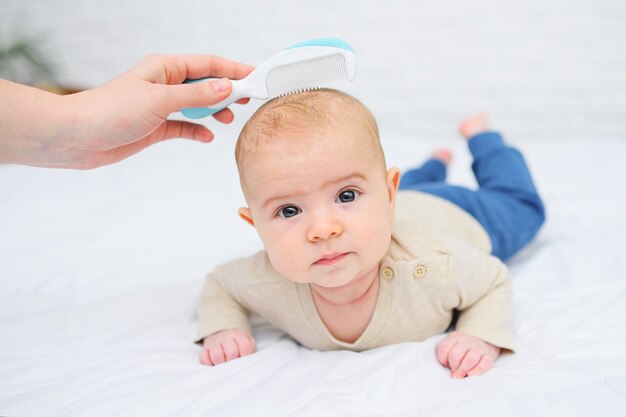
350, 262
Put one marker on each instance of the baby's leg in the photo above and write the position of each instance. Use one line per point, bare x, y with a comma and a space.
433, 170
507, 203
497, 167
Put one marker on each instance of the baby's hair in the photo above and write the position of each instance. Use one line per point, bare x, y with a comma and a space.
306, 112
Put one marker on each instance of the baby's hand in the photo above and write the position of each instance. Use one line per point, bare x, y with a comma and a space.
466, 355
225, 346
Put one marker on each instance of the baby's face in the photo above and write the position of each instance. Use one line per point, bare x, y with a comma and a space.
323, 212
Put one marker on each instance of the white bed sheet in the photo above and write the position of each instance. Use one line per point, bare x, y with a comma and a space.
100, 273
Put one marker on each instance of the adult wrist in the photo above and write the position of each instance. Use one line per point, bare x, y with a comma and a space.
34, 126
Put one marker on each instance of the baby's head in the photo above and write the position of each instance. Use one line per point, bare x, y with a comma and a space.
318, 192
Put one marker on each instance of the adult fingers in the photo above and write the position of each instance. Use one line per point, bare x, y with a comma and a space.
201, 94
174, 69
172, 129
225, 116
168, 130
195, 95
485, 363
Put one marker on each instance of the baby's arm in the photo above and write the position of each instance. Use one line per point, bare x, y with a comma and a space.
223, 325
225, 346
480, 290
466, 355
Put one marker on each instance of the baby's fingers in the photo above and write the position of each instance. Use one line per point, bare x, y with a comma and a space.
443, 350
470, 360
230, 349
205, 359
216, 355
212, 356
486, 362
246, 345
225, 346
456, 355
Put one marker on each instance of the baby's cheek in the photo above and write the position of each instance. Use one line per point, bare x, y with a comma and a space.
378, 236
285, 259
372, 217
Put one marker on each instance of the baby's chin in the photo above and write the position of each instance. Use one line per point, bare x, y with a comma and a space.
335, 283
337, 277
328, 283
332, 286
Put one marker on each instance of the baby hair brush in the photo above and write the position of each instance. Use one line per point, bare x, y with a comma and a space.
304, 66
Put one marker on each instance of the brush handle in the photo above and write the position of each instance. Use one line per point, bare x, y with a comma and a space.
200, 112
300, 67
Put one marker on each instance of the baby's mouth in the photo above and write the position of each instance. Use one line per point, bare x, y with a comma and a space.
331, 259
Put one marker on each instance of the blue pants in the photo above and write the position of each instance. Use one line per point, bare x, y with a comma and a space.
506, 204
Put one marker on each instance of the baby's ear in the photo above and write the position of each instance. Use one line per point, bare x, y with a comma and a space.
244, 213
393, 181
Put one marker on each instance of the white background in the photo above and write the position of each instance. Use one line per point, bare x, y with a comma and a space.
543, 69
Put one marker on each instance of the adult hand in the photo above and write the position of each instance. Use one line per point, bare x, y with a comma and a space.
107, 124
466, 355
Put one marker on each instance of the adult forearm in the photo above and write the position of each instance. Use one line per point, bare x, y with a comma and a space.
107, 124
35, 126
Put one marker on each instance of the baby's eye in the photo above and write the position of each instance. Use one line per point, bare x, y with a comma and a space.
288, 211
347, 196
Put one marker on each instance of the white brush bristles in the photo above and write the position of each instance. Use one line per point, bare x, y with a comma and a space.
306, 75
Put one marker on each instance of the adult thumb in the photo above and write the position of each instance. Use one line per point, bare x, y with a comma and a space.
198, 94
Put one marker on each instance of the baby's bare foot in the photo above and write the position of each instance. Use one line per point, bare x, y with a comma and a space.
443, 155
474, 125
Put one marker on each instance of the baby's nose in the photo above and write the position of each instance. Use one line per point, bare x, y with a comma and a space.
323, 228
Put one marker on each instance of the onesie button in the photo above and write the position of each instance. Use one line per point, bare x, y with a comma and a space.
387, 273
419, 271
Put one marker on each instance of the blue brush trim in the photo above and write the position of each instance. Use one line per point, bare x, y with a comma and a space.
199, 112
334, 42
